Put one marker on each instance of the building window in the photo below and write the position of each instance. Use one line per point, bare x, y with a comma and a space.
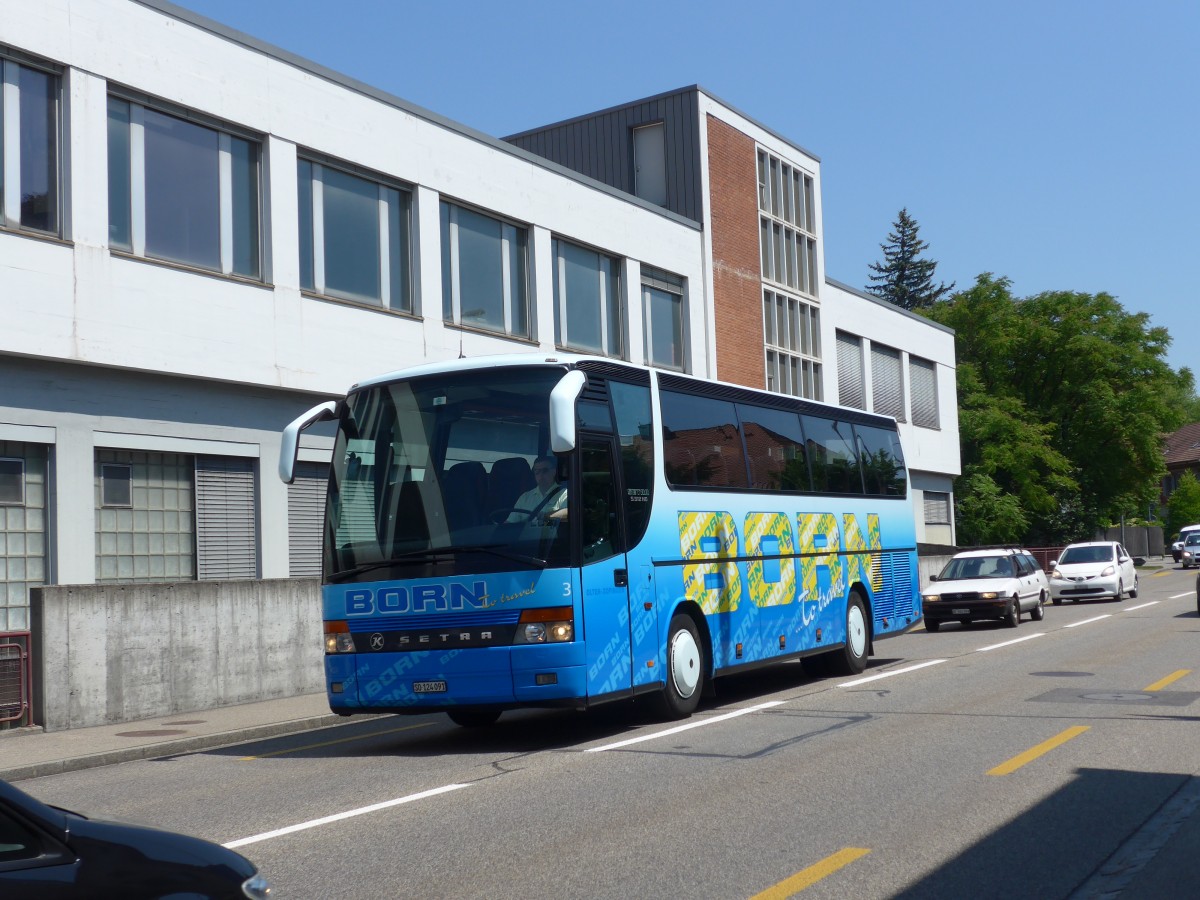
850, 371
183, 191
587, 300
12, 482
922, 376
887, 382
663, 313
485, 268
792, 334
787, 225
355, 237
937, 507
152, 537
116, 485
30, 193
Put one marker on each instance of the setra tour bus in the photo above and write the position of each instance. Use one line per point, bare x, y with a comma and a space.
520, 531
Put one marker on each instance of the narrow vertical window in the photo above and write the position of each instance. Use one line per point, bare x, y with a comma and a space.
587, 296
30, 181
662, 298
120, 221
485, 272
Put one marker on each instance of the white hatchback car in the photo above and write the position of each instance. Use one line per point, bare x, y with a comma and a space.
1092, 570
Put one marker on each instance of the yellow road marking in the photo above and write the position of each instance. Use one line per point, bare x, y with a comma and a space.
1162, 683
1033, 753
811, 875
338, 741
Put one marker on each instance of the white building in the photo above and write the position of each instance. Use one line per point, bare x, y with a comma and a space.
202, 236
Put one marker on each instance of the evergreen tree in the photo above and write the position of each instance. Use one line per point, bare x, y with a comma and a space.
902, 278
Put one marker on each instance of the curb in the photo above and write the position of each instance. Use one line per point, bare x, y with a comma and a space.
175, 747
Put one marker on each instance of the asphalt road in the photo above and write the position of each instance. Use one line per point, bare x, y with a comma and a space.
981, 761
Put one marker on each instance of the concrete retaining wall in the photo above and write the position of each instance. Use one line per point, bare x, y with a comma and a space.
106, 654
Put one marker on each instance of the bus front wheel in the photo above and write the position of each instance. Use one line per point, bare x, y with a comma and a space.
852, 659
473, 718
685, 669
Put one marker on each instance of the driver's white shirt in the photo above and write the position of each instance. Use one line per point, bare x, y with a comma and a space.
529, 500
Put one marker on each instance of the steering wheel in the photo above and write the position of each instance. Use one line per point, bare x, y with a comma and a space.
500, 516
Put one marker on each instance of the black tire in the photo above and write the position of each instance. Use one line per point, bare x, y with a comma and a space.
1120, 591
932, 625
852, 658
473, 718
1013, 618
1133, 593
1057, 601
685, 669
1038, 612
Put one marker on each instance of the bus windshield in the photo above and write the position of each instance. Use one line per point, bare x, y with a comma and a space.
435, 476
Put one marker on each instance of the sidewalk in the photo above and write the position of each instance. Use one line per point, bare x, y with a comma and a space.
31, 752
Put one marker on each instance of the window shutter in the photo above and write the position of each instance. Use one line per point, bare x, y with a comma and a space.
937, 508
924, 392
226, 545
306, 512
850, 371
887, 382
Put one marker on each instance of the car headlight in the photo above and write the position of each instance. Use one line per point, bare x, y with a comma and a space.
1111, 570
553, 625
1057, 576
931, 598
1187, 555
988, 595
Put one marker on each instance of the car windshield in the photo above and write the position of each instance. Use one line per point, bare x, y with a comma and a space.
966, 567
1193, 538
1087, 555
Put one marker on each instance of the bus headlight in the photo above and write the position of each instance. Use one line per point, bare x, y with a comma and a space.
338, 638
554, 625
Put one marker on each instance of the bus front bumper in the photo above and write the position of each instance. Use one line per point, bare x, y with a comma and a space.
432, 679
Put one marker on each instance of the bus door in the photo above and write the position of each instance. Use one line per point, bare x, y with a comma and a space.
604, 576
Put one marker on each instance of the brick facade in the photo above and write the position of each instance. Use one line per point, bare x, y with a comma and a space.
737, 281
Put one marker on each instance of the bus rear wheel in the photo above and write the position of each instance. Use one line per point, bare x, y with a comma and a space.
852, 659
685, 669
473, 718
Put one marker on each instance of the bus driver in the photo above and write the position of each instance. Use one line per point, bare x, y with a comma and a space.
546, 501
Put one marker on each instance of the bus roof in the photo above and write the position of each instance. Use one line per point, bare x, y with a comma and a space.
572, 360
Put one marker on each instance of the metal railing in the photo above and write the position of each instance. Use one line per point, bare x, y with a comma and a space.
16, 674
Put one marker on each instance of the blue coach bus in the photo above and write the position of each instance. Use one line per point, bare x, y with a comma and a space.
529, 531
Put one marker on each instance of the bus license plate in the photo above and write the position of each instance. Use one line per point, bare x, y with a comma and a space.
429, 687
961, 612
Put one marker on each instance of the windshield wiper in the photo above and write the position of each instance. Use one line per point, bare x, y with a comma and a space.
430, 555
496, 550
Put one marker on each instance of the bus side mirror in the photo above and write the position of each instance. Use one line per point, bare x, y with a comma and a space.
562, 411
289, 446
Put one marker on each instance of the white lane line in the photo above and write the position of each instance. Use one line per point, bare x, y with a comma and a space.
1087, 621
1144, 605
869, 678
1181, 596
361, 811
697, 724
1028, 637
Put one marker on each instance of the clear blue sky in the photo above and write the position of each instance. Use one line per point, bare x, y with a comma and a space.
1055, 143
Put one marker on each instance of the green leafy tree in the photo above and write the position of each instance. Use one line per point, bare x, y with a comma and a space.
1063, 398
902, 278
1184, 506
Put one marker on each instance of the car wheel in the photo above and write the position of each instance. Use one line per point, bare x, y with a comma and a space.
1038, 612
1133, 593
685, 669
932, 626
1057, 601
1013, 619
1120, 591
